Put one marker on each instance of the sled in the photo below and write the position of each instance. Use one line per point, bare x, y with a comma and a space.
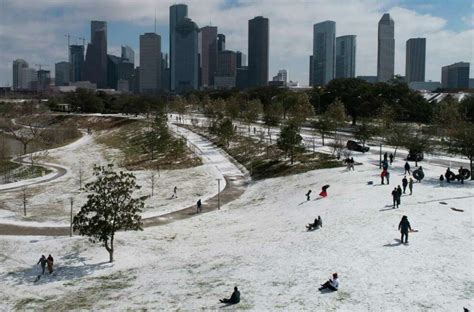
457, 209
418, 174
413, 231
443, 203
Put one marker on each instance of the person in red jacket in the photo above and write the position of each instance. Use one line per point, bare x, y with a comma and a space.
324, 192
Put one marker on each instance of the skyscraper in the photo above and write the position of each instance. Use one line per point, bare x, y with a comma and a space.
18, 65
226, 70
185, 72
128, 54
324, 46
208, 51
62, 72
178, 13
44, 80
241, 59
220, 42
150, 63
345, 56
29, 77
76, 59
95, 66
415, 59
386, 49
455, 76
258, 51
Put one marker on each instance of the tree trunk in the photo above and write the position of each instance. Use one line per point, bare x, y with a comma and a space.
291, 156
322, 135
110, 249
472, 173
395, 152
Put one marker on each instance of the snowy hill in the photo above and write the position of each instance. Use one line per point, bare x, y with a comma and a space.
259, 243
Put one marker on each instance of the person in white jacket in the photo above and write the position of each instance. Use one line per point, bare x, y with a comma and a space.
332, 283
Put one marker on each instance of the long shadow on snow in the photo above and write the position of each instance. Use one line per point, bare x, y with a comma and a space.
395, 244
60, 273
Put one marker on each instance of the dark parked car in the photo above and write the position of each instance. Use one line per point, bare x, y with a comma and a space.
415, 156
354, 146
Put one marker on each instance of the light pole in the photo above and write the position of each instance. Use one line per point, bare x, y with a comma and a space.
70, 229
218, 194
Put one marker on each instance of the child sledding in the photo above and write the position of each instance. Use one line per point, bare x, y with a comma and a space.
318, 222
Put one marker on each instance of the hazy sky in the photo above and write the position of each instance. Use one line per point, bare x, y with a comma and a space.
34, 29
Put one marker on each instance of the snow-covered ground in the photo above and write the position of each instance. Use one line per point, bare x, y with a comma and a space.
259, 243
49, 203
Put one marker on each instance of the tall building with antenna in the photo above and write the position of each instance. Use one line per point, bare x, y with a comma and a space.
178, 13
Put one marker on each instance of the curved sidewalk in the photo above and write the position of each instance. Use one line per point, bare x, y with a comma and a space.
236, 180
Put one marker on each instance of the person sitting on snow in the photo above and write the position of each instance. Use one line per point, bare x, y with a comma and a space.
318, 222
324, 192
235, 298
332, 284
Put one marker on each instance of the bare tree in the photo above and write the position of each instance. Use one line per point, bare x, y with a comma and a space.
152, 181
25, 195
80, 174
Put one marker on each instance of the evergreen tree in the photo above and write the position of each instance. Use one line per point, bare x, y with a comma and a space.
109, 207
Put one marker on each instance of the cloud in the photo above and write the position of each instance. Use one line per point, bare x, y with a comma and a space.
34, 30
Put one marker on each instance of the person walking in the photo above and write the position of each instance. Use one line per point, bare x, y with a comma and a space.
385, 155
391, 158
50, 262
394, 197
199, 206
461, 176
352, 163
404, 227
407, 168
404, 183
410, 186
175, 192
43, 262
308, 195
399, 195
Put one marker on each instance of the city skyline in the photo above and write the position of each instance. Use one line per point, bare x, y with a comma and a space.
290, 41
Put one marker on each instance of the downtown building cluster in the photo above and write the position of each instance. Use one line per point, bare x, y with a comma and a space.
198, 60
335, 57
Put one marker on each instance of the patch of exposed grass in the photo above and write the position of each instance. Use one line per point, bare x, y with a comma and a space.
130, 140
264, 160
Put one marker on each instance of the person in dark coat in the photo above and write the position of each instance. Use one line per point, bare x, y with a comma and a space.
404, 227
387, 176
461, 176
404, 183
448, 174
43, 262
308, 195
441, 180
332, 283
385, 155
50, 262
199, 206
318, 222
234, 298
394, 197
385, 165
407, 168
399, 195
391, 158
410, 186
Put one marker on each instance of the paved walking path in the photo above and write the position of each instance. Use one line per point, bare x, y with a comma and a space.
234, 184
